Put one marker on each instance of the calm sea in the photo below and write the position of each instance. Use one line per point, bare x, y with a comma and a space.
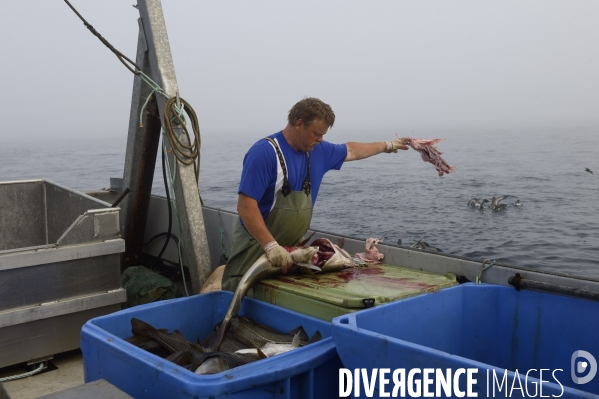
398, 196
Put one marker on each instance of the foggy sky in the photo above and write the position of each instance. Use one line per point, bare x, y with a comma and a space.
397, 65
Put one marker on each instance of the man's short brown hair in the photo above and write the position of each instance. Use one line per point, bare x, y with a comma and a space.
309, 109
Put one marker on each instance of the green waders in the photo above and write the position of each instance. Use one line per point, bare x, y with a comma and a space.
288, 221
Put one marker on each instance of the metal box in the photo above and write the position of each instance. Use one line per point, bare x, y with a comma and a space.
59, 267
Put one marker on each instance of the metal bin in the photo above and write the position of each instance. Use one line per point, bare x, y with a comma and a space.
59, 267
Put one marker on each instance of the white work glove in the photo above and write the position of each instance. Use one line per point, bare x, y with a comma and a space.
278, 256
397, 144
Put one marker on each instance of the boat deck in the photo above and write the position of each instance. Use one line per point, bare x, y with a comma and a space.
67, 374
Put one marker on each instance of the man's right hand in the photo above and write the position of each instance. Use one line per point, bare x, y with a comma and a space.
278, 256
397, 144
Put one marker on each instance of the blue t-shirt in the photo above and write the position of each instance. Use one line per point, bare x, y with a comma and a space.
262, 176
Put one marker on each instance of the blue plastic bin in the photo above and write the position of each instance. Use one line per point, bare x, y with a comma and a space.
491, 328
305, 372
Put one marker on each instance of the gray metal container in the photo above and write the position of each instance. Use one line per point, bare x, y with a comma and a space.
59, 267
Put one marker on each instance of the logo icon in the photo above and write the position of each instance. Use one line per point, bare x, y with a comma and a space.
583, 366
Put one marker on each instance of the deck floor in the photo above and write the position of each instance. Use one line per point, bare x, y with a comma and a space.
68, 374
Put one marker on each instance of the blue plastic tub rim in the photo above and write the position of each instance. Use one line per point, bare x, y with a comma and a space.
271, 370
350, 318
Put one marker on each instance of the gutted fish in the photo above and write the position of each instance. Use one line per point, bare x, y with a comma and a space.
260, 270
149, 345
257, 335
174, 342
218, 362
213, 365
232, 343
272, 348
322, 253
330, 258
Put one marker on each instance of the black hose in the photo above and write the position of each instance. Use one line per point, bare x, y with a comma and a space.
174, 237
170, 216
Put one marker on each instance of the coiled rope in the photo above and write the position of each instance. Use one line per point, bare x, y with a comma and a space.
187, 154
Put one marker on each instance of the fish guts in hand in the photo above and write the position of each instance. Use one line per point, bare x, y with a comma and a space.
429, 153
398, 144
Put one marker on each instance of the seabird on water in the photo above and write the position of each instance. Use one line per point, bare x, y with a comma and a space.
588, 170
478, 203
518, 203
495, 205
425, 246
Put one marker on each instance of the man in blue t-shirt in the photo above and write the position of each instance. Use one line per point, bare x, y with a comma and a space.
279, 184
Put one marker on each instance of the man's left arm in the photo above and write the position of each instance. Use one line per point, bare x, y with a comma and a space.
356, 151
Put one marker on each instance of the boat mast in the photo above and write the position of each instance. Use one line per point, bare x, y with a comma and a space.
154, 57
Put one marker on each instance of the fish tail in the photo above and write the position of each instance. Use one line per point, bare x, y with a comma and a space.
296, 340
180, 358
213, 341
261, 354
198, 347
299, 331
139, 327
315, 337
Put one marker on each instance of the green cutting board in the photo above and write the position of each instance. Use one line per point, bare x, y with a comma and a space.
326, 296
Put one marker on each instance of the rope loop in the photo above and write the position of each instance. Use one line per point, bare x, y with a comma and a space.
483, 268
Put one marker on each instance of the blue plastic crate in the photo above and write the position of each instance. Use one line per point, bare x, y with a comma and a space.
477, 326
305, 372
